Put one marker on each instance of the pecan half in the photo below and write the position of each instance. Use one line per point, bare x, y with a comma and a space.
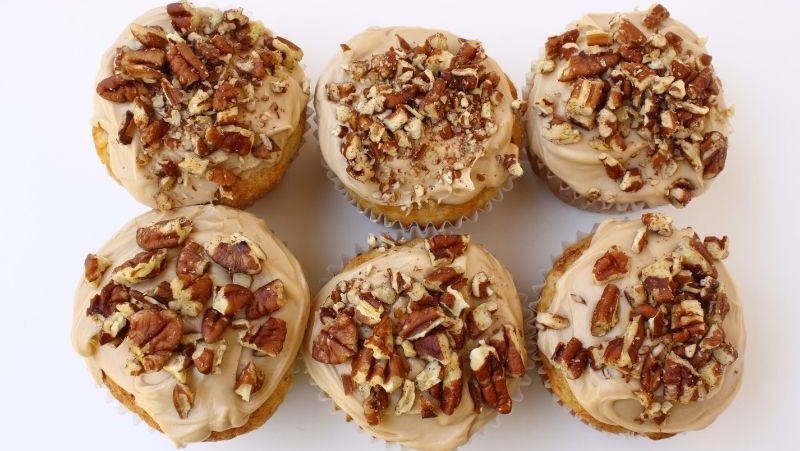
155, 330
236, 253
336, 342
614, 264
118, 88
606, 311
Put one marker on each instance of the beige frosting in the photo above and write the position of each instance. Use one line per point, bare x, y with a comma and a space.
378, 40
216, 407
444, 432
577, 164
195, 188
611, 400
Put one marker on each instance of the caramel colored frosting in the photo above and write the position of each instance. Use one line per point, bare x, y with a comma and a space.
605, 394
436, 167
216, 406
661, 158
271, 117
409, 429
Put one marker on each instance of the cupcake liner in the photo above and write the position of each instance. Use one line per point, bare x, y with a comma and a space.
560, 188
517, 395
421, 229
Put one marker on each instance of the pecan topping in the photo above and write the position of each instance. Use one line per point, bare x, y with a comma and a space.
267, 339
445, 248
155, 330
182, 399
168, 233
614, 264
336, 341
418, 323
488, 372
94, 266
375, 404
231, 298
144, 265
583, 65
655, 15
551, 321
248, 381
236, 253
266, 300
118, 88
606, 312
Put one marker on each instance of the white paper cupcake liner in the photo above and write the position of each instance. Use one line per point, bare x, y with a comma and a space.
421, 229
516, 394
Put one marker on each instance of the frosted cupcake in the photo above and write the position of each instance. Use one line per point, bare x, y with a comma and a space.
625, 111
642, 328
418, 126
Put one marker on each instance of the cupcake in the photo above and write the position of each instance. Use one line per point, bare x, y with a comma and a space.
418, 126
195, 105
625, 111
193, 318
641, 328
419, 343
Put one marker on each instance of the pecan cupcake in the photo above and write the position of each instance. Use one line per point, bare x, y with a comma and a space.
418, 126
195, 105
641, 328
625, 111
420, 342
193, 319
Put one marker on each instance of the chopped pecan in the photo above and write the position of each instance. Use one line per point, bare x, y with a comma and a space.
155, 330
361, 365
434, 346
407, 398
632, 180
725, 354
374, 404
266, 300
236, 253
152, 133
583, 101
655, 15
554, 43
452, 384
440, 278
480, 318
150, 36
481, 285
248, 381
168, 233
126, 129
651, 373
230, 138
512, 357
614, 264
714, 149
679, 193
182, 399
614, 168
445, 248
598, 37
94, 266
267, 339
658, 290
583, 65
658, 223
639, 240
606, 311
118, 88
419, 322
628, 34
488, 372
105, 302
551, 321
717, 247
381, 342
183, 16
336, 342
231, 298
214, 325
192, 261
142, 266
186, 65
572, 357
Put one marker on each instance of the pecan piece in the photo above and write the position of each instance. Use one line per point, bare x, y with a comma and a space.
583, 65
192, 261
182, 399
336, 342
554, 43
419, 322
144, 265
614, 264
628, 34
152, 37
155, 330
714, 149
104, 303
168, 233
655, 15
374, 404
606, 311
230, 138
248, 381
679, 192
651, 374
512, 357
207, 358
489, 374
717, 247
381, 342
441, 278
445, 248
658, 223
231, 298
184, 17
126, 129
266, 300
571, 357
222, 176
452, 384
480, 318
236, 253
267, 339
118, 88
153, 132
551, 321
94, 266
214, 325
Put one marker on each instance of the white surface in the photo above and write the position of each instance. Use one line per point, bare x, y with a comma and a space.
60, 204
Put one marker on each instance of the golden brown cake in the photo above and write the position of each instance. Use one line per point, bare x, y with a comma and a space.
193, 318
195, 105
419, 343
641, 328
418, 125
626, 111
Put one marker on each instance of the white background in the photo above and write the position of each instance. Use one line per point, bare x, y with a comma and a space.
61, 204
